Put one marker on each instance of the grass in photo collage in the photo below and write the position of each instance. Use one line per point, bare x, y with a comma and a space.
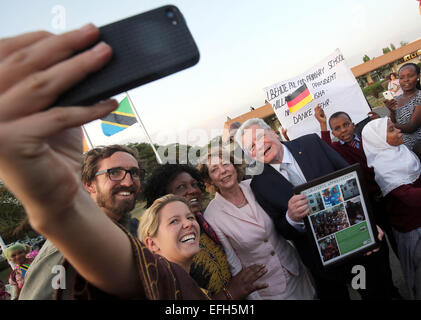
353, 238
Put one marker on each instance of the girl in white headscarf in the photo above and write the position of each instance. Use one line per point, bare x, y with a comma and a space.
397, 172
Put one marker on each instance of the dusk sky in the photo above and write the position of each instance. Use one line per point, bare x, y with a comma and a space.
244, 45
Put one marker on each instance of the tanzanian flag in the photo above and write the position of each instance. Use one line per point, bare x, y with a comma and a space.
119, 119
23, 268
298, 99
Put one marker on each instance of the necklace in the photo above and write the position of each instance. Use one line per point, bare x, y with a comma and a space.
409, 97
242, 204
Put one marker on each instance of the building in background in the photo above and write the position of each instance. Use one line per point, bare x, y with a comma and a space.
376, 69
371, 76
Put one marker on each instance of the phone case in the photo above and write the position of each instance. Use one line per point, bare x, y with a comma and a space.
146, 47
388, 95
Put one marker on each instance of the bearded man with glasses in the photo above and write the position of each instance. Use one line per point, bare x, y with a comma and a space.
112, 176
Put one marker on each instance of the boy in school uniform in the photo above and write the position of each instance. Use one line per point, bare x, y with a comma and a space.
350, 147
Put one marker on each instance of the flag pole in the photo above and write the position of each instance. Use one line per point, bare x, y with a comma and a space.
158, 158
88, 140
3, 247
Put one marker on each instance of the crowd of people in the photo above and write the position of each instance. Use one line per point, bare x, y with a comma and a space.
329, 221
250, 242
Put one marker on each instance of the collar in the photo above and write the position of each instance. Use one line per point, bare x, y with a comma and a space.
355, 138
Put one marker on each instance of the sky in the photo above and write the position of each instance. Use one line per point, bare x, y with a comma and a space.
245, 46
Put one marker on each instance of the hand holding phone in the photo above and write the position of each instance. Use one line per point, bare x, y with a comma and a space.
146, 47
391, 104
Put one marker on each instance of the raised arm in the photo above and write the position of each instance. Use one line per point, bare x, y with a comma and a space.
41, 151
414, 123
321, 118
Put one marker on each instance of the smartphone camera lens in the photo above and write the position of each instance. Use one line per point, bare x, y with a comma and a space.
171, 16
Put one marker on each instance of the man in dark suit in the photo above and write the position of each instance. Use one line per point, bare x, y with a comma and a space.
292, 163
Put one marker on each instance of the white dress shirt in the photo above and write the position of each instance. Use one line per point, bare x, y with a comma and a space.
289, 159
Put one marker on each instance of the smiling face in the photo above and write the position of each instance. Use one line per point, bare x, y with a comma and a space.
408, 78
342, 128
184, 185
222, 174
393, 136
115, 198
262, 145
178, 235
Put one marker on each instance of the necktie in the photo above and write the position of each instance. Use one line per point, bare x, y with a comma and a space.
354, 144
292, 176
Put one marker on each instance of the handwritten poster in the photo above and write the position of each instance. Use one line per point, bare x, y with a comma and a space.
332, 86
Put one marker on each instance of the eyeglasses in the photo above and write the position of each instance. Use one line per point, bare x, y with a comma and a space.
118, 174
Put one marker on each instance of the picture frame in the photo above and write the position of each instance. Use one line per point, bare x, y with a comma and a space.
340, 224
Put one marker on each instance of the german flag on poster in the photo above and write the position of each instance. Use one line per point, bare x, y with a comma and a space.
119, 119
298, 99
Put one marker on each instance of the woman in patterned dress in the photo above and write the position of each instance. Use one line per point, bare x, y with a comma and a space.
405, 110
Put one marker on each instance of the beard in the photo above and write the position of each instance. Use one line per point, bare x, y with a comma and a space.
118, 207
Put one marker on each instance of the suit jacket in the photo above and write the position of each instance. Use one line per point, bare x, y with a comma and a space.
273, 191
249, 240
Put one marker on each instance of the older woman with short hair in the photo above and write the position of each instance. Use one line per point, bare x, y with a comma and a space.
247, 232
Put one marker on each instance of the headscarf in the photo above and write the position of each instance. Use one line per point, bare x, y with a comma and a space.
393, 165
7, 253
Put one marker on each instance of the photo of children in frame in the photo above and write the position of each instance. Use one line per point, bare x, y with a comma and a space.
332, 196
329, 221
355, 211
329, 248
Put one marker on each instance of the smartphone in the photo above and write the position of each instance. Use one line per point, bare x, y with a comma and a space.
388, 95
146, 47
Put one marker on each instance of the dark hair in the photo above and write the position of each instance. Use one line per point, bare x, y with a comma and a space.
93, 156
337, 115
162, 176
389, 77
417, 71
